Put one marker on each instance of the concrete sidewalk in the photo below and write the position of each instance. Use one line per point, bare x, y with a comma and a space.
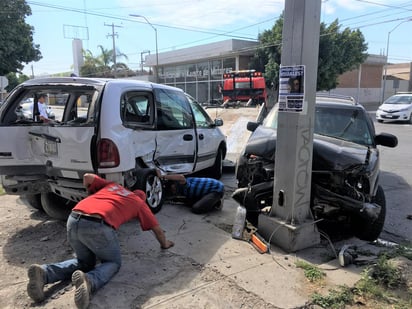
207, 268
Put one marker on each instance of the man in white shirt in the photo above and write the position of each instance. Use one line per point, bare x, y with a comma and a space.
42, 108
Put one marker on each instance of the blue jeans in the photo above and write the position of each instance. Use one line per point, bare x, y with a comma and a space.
207, 202
91, 241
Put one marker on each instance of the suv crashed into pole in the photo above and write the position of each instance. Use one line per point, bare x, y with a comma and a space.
345, 168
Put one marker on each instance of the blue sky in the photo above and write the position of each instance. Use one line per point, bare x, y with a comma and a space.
186, 23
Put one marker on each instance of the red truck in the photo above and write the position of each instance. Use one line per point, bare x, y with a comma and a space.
245, 87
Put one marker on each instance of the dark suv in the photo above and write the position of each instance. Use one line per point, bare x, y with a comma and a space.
345, 168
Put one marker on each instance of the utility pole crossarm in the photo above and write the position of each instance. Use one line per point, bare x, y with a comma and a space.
113, 35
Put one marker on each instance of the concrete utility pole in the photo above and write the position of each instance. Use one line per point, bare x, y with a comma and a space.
113, 35
290, 224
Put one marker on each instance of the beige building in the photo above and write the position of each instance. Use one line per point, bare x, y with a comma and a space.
199, 70
367, 83
398, 78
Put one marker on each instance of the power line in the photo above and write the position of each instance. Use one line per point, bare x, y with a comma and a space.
382, 4
198, 30
218, 33
230, 34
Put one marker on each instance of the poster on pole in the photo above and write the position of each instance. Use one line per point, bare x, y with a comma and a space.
291, 88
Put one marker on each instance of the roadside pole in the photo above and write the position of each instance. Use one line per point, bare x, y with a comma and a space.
4, 82
290, 224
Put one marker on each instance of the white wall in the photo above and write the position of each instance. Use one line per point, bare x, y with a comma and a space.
363, 95
390, 90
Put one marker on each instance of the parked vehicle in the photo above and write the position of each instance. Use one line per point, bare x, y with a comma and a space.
119, 129
345, 168
243, 87
26, 110
396, 108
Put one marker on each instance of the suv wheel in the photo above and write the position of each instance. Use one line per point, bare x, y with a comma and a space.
367, 230
149, 183
56, 206
243, 180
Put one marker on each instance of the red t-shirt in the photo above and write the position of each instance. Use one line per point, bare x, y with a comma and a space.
117, 205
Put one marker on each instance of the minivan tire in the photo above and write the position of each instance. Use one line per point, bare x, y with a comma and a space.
34, 200
152, 186
216, 170
56, 206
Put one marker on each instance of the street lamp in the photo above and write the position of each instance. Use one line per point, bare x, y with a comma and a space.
157, 53
387, 53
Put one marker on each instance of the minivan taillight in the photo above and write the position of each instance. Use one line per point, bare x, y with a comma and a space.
107, 153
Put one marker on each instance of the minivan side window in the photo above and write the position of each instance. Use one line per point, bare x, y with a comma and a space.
136, 108
202, 119
173, 110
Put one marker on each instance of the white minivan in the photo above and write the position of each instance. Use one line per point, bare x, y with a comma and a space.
120, 129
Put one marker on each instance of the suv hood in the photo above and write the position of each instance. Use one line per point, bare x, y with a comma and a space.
328, 153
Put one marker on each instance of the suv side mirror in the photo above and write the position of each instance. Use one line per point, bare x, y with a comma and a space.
386, 139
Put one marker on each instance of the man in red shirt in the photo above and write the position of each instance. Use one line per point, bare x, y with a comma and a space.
91, 231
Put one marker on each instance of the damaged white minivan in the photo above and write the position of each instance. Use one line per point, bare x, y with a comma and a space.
119, 129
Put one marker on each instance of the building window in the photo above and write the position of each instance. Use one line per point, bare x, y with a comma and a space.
229, 64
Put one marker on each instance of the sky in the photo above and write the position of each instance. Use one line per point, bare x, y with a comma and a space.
186, 23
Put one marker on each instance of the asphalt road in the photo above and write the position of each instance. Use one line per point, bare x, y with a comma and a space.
396, 179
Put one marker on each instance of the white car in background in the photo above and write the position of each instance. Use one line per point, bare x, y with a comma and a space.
26, 110
396, 108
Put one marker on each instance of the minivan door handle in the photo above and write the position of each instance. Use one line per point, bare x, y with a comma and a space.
201, 136
188, 137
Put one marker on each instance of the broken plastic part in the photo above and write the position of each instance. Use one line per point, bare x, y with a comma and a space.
259, 244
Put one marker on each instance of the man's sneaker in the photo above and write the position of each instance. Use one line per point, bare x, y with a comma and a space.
36, 283
83, 289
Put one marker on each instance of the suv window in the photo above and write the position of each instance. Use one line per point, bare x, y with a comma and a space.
344, 123
349, 124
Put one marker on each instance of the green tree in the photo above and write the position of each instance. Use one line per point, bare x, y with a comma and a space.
15, 80
92, 65
103, 65
339, 52
16, 37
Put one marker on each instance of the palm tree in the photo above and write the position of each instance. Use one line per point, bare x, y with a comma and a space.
103, 65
